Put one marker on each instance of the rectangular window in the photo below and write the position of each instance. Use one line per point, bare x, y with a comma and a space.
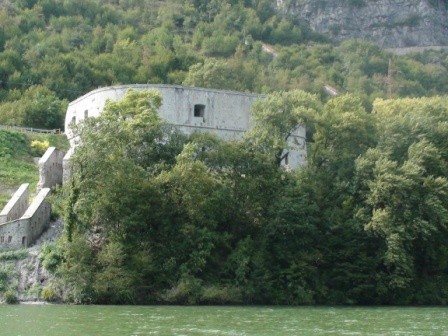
2, 239
23, 240
9, 239
199, 111
86, 114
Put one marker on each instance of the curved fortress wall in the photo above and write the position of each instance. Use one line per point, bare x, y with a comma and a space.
225, 113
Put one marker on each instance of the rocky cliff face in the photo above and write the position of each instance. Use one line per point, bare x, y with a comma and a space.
389, 23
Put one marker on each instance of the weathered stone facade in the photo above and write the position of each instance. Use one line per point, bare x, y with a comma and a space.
22, 229
224, 113
388, 23
50, 168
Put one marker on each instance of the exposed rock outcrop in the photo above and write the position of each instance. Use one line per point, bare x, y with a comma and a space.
388, 23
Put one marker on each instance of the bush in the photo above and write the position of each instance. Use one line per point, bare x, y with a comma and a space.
13, 255
12, 144
221, 295
3, 280
48, 294
51, 257
39, 147
186, 291
10, 297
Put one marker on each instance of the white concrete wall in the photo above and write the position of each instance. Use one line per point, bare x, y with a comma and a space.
227, 113
16, 206
50, 168
223, 109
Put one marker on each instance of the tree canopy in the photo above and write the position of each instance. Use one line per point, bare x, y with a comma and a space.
52, 51
155, 216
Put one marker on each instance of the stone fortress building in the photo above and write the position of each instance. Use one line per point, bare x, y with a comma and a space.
190, 109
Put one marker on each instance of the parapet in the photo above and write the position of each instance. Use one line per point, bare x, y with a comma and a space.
50, 168
16, 206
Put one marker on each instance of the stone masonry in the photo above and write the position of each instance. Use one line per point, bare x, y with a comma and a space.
190, 109
22, 229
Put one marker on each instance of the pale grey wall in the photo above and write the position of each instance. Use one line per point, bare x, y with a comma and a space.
67, 169
16, 206
227, 110
227, 113
12, 233
24, 231
50, 168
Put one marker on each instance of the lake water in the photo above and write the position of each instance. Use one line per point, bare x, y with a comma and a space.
49, 320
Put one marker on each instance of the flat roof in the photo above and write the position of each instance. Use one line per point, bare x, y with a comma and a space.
163, 86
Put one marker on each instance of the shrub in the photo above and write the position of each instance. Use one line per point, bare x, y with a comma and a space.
48, 294
13, 255
221, 295
39, 147
12, 144
3, 280
51, 257
185, 292
10, 297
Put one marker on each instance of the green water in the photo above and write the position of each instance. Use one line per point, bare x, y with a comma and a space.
64, 320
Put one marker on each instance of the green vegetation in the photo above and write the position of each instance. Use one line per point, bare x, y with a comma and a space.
152, 216
9, 274
16, 160
52, 51
13, 255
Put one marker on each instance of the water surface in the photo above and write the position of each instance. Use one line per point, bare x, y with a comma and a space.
66, 320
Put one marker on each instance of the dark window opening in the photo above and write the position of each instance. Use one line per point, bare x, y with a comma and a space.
73, 120
86, 114
9, 239
23, 240
287, 159
2, 239
199, 110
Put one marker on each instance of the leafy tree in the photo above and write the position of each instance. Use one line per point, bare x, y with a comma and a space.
277, 118
38, 107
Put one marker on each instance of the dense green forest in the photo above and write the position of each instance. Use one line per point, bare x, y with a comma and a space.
17, 153
53, 51
154, 216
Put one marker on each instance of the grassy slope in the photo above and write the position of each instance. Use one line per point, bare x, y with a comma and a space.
16, 160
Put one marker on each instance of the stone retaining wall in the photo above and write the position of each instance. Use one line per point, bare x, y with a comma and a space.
16, 206
24, 231
50, 168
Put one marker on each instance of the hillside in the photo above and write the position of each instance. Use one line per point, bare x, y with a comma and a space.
388, 23
52, 51
17, 163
